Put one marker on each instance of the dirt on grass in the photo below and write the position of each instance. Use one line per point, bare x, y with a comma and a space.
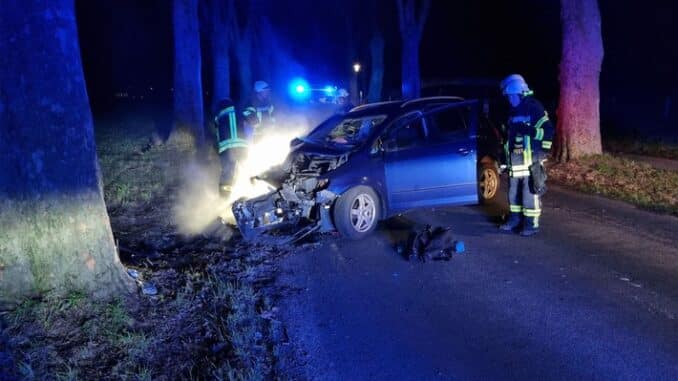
213, 315
620, 178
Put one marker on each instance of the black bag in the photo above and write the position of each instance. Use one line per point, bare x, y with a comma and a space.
537, 179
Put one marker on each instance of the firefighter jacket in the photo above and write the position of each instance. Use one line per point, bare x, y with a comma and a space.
258, 114
228, 134
529, 136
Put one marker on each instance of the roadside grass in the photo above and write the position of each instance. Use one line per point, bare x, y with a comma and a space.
212, 331
631, 145
620, 178
206, 322
136, 169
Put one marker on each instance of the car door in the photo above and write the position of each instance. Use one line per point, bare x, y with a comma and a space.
434, 167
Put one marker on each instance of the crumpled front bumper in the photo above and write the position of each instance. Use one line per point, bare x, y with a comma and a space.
281, 217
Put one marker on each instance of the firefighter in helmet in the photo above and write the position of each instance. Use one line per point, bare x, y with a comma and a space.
258, 113
343, 102
528, 141
231, 145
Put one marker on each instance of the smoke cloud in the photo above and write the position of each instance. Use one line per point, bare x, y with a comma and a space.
199, 204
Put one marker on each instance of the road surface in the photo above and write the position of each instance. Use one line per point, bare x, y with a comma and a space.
593, 296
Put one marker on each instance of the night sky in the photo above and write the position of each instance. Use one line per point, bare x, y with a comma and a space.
127, 44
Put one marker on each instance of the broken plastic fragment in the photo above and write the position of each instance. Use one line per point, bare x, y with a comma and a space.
134, 274
149, 289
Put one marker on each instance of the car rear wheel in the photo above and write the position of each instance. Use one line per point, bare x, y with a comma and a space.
488, 182
357, 212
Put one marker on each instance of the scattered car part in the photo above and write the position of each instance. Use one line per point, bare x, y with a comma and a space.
431, 244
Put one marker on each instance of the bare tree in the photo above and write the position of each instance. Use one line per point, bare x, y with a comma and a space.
54, 230
376, 52
243, 40
376, 67
578, 127
411, 29
188, 101
220, 35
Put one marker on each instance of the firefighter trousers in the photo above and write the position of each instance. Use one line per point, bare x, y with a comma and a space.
229, 162
521, 200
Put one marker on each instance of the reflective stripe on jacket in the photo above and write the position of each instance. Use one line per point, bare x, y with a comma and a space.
530, 132
227, 130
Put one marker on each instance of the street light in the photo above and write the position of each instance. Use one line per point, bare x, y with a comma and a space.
355, 84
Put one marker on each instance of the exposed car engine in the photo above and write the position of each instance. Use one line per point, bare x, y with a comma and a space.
299, 206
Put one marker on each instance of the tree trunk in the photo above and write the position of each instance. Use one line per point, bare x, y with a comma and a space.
377, 68
220, 36
578, 127
188, 102
54, 229
244, 57
411, 82
266, 47
411, 30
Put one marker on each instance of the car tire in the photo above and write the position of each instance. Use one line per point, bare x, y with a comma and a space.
357, 212
488, 183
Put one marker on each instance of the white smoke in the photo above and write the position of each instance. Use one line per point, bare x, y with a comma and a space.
269, 150
198, 203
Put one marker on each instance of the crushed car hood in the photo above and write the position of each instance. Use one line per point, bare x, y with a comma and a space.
315, 148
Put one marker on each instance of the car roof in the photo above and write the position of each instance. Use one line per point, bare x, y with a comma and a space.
391, 107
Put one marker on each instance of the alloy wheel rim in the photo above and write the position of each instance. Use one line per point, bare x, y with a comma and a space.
488, 183
363, 213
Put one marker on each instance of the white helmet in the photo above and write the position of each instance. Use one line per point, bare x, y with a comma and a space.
260, 86
514, 84
341, 93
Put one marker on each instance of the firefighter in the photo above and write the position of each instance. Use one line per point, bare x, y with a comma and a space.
231, 144
259, 113
528, 141
343, 102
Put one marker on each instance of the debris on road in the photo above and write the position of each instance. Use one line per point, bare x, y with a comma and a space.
430, 244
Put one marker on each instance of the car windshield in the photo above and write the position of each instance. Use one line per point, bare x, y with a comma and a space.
345, 130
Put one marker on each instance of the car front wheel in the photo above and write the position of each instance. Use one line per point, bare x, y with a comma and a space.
357, 212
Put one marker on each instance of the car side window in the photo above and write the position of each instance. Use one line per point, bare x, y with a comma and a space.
408, 134
449, 123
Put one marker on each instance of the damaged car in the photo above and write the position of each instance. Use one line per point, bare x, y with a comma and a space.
376, 161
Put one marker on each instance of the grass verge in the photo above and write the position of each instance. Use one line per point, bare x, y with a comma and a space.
641, 147
211, 320
623, 179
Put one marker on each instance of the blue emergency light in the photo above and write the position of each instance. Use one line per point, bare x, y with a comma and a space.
299, 89
330, 90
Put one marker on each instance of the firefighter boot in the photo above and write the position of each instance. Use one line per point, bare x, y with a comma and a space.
511, 223
531, 226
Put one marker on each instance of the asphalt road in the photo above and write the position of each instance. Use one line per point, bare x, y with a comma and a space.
593, 296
